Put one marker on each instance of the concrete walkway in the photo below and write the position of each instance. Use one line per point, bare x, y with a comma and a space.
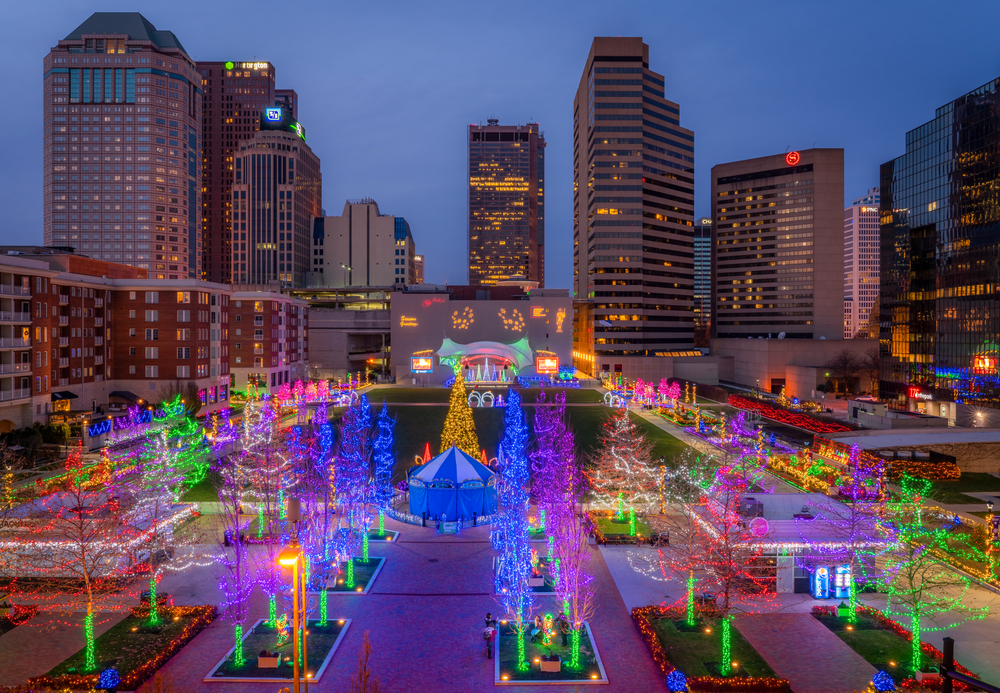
804, 651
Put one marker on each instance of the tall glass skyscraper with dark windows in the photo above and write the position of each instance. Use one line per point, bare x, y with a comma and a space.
506, 203
703, 271
940, 263
633, 198
122, 146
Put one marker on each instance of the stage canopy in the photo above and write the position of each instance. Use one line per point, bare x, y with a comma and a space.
518, 353
453, 484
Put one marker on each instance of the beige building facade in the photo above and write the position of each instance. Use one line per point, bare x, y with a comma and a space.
778, 238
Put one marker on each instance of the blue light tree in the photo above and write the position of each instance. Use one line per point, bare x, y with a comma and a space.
510, 530
352, 476
381, 492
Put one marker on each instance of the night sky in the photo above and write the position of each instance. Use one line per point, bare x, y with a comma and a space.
387, 89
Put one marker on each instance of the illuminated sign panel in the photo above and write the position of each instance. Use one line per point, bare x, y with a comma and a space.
539, 312
273, 114
915, 393
407, 322
547, 364
422, 364
793, 158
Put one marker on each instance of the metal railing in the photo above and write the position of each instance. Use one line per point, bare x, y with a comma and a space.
12, 290
20, 393
98, 341
98, 303
14, 342
949, 675
98, 322
63, 319
64, 363
98, 360
15, 367
15, 316
64, 299
64, 341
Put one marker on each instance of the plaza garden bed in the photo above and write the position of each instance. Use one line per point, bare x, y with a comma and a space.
322, 641
137, 647
696, 653
506, 671
387, 535
881, 642
364, 576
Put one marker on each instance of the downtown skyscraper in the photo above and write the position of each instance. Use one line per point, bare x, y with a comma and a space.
122, 146
506, 203
633, 225
236, 94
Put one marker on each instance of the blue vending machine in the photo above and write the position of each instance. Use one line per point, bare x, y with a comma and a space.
842, 582
819, 583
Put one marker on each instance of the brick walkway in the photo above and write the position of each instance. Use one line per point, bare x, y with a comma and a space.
424, 616
801, 649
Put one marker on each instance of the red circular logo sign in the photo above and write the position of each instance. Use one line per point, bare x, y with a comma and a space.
792, 158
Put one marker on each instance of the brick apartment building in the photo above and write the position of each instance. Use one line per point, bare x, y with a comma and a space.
267, 338
80, 337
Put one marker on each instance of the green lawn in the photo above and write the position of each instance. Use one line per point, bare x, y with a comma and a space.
204, 490
607, 525
416, 426
952, 491
363, 573
132, 642
878, 646
691, 650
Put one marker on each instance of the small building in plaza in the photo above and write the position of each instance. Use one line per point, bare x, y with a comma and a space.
494, 334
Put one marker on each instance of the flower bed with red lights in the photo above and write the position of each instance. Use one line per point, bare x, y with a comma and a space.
644, 618
19, 614
139, 654
792, 418
872, 619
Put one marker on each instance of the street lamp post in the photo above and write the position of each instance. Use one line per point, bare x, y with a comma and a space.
289, 557
346, 270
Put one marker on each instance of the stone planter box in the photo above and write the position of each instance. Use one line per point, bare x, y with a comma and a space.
928, 676
268, 662
536, 581
554, 666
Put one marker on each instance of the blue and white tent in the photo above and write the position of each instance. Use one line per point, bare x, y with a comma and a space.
453, 484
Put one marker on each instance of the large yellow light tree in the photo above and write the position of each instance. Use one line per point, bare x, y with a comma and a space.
459, 428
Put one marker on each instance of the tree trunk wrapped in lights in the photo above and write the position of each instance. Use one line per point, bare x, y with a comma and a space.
621, 474
234, 575
459, 428
574, 589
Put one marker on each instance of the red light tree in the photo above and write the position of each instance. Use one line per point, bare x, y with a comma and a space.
621, 475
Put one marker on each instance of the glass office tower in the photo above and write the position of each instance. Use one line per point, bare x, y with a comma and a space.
940, 243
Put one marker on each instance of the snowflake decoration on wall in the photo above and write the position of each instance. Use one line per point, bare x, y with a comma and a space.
514, 322
462, 320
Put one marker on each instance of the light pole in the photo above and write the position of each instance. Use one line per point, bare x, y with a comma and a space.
346, 270
289, 557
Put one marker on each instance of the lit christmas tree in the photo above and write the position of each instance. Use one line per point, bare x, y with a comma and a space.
621, 474
509, 532
381, 495
459, 428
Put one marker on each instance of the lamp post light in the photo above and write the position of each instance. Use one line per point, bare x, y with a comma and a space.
346, 270
289, 557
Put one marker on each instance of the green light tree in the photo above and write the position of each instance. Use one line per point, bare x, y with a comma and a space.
924, 592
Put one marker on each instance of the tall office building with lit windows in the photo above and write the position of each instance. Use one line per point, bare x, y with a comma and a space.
779, 243
122, 146
277, 192
633, 225
235, 95
861, 263
703, 271
940, 278
506, 203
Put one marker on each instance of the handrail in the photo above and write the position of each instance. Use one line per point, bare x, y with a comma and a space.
948, 673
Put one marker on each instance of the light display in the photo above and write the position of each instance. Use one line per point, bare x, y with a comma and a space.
514, 321
381, 495
422, 364
622, 464
922, 590
462, 320
459, 429
783, 416
509, 533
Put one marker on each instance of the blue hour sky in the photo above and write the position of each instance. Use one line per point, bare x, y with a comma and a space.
387, 89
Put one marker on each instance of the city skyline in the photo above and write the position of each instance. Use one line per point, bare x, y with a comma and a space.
782, 115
